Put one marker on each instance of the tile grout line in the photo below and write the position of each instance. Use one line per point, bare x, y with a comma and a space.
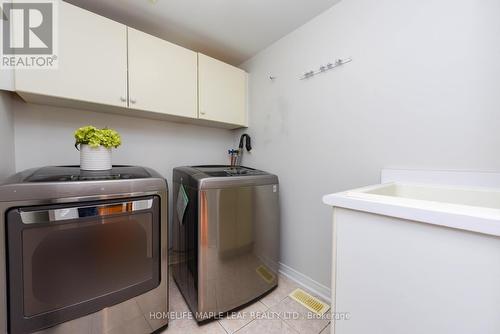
223, 328
289, 323
279, 317
245, 325
328, 324
267, 308
276, 303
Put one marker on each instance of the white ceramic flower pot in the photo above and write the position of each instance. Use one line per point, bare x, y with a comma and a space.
95, 158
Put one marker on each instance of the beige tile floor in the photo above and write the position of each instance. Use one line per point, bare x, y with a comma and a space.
275, 313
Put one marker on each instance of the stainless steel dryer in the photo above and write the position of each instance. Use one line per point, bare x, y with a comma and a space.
226, 233
83, 252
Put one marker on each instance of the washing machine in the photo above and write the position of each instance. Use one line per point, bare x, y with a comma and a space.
226, 236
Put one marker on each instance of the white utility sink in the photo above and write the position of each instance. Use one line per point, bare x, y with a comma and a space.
468, 208
411, 257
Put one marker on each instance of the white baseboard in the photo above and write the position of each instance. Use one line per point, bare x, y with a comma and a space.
306, 282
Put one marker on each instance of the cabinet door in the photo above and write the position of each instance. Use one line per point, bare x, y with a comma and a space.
222, 91
92, 61
162, 76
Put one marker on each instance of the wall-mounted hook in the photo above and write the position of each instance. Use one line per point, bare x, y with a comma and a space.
308, 74
324, 68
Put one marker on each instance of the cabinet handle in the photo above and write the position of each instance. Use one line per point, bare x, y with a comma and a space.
202, 113
123, 99
133, 101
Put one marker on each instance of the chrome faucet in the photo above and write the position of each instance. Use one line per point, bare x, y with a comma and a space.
246, 140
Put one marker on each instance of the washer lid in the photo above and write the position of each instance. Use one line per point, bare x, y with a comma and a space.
228, 171
75, 174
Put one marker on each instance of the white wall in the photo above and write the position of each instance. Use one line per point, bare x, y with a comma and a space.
44, 136
7, 79
7, 159
423, 91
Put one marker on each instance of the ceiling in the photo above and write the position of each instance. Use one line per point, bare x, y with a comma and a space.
230, 30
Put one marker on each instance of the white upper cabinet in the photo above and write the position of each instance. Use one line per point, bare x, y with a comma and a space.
92, 61
222, 91
162, 76
106, 66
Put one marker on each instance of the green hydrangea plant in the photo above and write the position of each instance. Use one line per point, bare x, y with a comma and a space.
90, 135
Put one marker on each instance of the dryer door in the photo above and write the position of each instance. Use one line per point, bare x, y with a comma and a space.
66, 261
